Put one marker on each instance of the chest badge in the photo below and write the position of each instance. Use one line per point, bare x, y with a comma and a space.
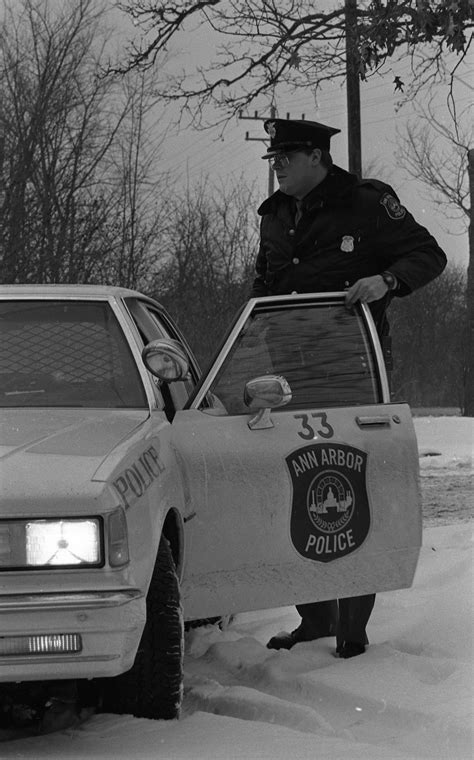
347, 244
330, 513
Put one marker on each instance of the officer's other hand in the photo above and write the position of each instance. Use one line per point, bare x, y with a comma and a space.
366, 290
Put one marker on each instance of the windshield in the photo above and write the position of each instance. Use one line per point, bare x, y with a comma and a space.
322, 350
65, 354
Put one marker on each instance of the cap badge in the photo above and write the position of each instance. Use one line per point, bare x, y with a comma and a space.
347, 244
271, 129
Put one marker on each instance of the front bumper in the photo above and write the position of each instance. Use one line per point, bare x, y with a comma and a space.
110, 624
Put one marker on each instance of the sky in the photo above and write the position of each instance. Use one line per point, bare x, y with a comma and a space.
190, 154
409, 697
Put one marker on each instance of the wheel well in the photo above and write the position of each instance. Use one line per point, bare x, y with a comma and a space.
173, 531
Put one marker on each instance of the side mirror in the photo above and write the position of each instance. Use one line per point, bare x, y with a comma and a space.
166, 359
265, 393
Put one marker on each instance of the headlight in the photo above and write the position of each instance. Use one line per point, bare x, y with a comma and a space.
45, 543
62, 542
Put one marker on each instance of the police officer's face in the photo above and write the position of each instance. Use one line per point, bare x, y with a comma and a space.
298, 172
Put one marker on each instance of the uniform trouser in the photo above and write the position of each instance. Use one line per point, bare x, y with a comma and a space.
344, 618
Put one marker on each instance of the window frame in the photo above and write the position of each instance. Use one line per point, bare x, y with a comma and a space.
198, 400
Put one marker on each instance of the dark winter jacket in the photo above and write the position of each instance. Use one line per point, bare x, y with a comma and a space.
350, 229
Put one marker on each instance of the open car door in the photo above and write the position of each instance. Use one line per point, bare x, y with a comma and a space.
313, 500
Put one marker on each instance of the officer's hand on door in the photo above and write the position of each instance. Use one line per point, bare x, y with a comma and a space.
366, 290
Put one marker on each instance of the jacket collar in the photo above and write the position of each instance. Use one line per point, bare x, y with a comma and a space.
335, 190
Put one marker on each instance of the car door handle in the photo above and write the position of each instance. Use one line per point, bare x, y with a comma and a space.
376, 421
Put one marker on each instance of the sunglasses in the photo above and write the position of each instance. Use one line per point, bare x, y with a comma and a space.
279, 161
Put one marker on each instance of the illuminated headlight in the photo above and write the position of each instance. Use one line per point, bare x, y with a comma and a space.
63, 542
50, 543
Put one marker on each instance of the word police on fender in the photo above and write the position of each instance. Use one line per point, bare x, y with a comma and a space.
132, 483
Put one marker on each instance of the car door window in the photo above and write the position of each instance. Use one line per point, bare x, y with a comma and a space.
323, 351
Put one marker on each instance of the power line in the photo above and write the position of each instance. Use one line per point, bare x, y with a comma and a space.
211, 154
325, 105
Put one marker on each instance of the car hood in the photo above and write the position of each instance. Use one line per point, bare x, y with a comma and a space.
78, 432
43, 451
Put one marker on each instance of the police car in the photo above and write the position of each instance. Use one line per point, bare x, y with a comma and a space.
133, 487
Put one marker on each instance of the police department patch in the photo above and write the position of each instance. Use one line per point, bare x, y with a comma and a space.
393, 208
330, 514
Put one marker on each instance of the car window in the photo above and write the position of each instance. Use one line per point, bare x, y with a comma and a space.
323, 351
151, 325
66, 353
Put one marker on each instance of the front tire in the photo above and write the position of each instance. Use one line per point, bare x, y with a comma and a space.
153, 687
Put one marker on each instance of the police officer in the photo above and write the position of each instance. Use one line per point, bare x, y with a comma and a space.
326, 230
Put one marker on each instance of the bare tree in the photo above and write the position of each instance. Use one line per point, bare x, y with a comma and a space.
49, 122
428, 346
210, 247
61, 123
469, 364
138, 216
260, 43
436, 151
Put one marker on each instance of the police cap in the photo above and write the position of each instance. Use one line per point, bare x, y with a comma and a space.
289, 134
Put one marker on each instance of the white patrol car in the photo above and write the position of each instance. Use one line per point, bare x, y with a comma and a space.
131, 485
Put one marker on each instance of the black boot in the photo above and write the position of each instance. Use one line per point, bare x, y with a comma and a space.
350, 649
286, 640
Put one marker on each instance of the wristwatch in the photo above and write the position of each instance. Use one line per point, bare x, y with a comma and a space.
390, 280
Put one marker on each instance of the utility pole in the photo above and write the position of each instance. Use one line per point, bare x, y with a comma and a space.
352, 96
353, 89
256, 117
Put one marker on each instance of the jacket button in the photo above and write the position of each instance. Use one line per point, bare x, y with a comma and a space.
291, 232
296, 261
294, 292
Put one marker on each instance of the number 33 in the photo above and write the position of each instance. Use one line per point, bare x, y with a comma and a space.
325, 430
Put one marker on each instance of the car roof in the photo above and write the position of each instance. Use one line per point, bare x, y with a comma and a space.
67, 290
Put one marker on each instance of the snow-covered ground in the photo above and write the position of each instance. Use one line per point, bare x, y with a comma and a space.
409, 696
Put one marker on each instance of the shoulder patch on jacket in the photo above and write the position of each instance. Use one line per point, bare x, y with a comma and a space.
393, 208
